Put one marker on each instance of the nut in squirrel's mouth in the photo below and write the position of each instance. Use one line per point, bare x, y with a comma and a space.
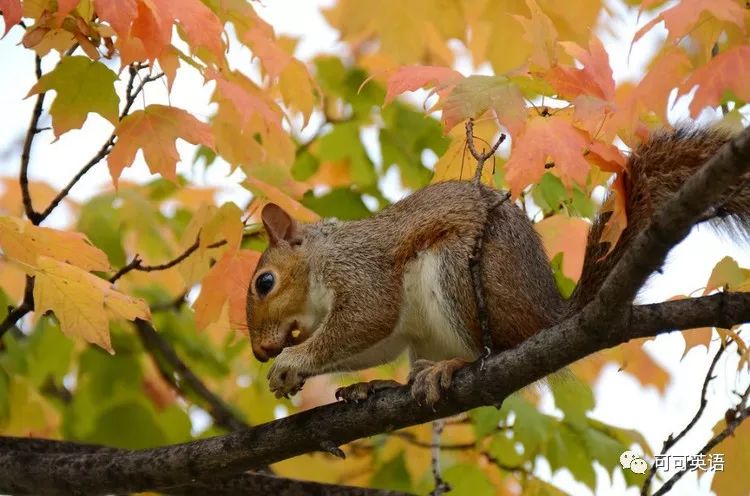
295, 334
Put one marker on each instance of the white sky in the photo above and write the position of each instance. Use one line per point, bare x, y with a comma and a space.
620, 399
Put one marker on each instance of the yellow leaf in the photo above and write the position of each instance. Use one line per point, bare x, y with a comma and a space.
295, 208
24, 242
82, 302
733, 479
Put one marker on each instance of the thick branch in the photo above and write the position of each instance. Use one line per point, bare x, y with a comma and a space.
340, 423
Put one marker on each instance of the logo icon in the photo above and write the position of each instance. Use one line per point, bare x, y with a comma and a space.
631, 460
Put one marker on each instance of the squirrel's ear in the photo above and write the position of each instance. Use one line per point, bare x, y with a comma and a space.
279, 225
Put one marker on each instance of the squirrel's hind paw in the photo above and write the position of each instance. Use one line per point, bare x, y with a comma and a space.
363, 390
429, 379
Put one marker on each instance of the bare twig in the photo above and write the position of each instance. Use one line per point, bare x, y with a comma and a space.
130, 98
740, 413
441, 487
480, 157
671, 441
16, 314
476, 258
136, 264
180, 375
31, 132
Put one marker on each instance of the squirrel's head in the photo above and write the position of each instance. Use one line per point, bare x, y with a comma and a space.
277, 296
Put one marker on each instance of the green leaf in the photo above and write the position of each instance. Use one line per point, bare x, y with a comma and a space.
49, 353
503, 448
564, 284
485, 420
342, 203
468, 480
573, 397
530, 428
82, 85
406, 135
347, 84
101, 222
565, 449
343, 143
393, 475
129, 425
550, 193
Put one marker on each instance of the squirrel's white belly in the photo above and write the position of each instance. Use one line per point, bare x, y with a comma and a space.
426, 321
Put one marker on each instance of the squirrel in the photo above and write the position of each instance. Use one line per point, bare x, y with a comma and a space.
338, 296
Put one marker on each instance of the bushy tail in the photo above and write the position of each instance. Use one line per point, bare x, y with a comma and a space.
655, 171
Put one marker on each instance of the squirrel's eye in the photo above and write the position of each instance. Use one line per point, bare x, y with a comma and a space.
264, 283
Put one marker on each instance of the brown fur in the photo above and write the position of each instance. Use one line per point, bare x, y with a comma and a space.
363, 265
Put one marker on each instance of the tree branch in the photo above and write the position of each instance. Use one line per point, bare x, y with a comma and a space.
671, 441
741, 412
16, 314
159, 348
130, 98
31, 132
246, 483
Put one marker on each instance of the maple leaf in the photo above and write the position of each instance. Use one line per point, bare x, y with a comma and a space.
542, 139
118, 13
12, 12
264, 46
728, 274
594, 78
566, 235
474, 95
82, 85
227, 281
541, 34
217, 229
11, 200
155, 130
414, 77
297, 89
685, 15
733, 479
65, 7
82, 302
244, 96
728, 71
292, 206
25, 242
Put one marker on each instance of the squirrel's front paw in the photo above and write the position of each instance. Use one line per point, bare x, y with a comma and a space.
429, 379
285, 377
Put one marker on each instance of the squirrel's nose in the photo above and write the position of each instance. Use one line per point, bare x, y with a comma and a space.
264, 351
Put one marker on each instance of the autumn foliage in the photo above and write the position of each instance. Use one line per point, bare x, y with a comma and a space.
321, 137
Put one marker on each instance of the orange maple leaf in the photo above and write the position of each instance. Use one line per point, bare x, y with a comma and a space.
118, 13
12, 12
542, 139
155, 130
414, 77
541, 35
594, 78
566, 235
727, 71
683, 17
226, 282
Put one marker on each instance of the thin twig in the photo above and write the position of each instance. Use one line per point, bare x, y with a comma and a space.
130, 98
441, 487
136, 264
31, 132
179, 375
476, 257
16, 314
671, 441
740, 413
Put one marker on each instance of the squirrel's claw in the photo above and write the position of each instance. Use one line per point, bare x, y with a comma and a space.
429, 379
360, 391
284, 378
